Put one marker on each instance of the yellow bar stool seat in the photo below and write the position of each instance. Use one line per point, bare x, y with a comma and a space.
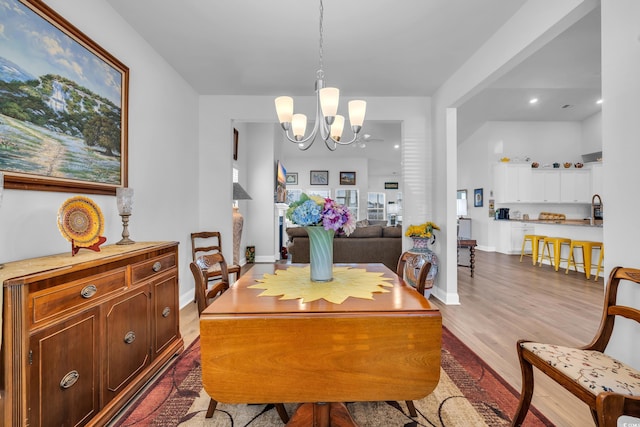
587, 248
557, 243
534, 239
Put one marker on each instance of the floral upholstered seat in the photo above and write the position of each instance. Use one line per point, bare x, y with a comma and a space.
610, 387
593, 370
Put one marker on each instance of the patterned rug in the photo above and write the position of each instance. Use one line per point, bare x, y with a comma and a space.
469, 393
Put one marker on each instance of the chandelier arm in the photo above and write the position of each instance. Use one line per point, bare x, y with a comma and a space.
331, 147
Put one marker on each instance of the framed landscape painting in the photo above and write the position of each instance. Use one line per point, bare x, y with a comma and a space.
319, 178
347, 178
63, 105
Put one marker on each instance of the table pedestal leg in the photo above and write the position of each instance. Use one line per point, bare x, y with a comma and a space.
322, 415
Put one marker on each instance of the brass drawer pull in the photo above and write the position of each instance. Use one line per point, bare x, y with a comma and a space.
69, 379
88, 291
157, 266
130, 337
166, 312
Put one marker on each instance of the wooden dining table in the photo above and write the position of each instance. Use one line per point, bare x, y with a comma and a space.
262, 349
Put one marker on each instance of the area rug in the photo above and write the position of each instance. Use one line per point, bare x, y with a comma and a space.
469, 393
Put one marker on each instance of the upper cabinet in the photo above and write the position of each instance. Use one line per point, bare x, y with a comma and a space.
596, 179
519, 183
512, 183
546, 185
575, 186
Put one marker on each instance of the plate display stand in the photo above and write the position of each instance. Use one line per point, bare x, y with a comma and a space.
95, 247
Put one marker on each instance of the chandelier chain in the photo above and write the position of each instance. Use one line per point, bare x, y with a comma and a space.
321, 38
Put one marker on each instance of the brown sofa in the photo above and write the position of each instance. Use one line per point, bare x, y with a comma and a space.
371, 244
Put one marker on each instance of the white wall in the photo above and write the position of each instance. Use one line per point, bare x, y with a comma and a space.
592, 134
162, 154
620, 136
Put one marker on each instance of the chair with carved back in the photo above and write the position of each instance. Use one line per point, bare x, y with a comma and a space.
205, 294
423, 270
610, 387
208, 242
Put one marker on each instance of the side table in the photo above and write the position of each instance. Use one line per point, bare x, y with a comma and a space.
471, 244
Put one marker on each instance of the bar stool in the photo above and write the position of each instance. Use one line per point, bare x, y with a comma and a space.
600, 259
587, 247
535, 240
557, 243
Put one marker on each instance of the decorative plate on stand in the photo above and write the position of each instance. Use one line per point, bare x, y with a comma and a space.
81, 222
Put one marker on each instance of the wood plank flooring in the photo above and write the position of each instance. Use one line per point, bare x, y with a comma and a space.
505, 301
508, 300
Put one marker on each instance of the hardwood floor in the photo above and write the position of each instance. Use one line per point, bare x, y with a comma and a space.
505, 301
508, 300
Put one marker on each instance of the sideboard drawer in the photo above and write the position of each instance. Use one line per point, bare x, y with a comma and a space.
147, 269
74, 295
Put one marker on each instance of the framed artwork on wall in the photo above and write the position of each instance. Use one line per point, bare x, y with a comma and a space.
235, 144
477, 198
390, 185
347, 178
292, 178
63, 107
319, 178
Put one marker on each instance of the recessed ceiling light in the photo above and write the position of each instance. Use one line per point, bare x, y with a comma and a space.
533, 100
396, 146
599, 101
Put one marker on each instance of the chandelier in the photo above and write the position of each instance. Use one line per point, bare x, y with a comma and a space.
328, 122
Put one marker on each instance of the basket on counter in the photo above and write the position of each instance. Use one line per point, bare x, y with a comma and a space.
549, 216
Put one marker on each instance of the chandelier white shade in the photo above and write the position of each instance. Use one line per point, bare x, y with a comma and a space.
327, 121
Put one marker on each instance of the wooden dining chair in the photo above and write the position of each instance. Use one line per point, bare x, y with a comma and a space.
611, 388
205, 294
421, 271
210, 242
407, 260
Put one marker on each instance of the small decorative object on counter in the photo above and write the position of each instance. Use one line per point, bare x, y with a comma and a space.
567, 164
535, 164
578, 165
556, 165
505, 159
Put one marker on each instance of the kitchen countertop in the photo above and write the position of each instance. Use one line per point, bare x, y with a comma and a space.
575, 222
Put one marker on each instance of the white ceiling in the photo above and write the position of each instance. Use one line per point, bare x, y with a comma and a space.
371, 48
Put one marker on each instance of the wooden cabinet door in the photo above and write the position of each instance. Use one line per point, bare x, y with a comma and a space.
128, 340
165, 312
64, 378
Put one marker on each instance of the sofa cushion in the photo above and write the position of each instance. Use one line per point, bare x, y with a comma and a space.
362, 223
296, 232
392, 232
371, 231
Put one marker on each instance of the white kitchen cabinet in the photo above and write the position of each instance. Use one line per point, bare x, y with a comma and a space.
575, 186
510, 235
596, 179
545, 185
512, 183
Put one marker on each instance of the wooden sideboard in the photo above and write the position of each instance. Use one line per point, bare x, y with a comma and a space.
82, 334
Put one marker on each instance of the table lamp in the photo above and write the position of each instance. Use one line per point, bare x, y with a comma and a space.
124, 198
238, 221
